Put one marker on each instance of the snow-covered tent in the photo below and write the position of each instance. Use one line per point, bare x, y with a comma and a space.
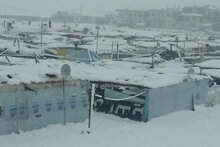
144, 103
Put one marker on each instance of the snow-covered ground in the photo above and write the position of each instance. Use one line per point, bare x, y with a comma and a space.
181, 129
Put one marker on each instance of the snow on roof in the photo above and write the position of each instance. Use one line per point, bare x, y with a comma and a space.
212, 72
210, 64
25, 49
212, 67
105, 45
26, 71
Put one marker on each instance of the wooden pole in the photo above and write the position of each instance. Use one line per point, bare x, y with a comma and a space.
112, 51
91, 107
97, 41
117, 52
41, 34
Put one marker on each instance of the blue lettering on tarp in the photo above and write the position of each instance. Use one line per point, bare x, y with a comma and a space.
197, 96
84, 102
48, 107
13, 111
35, 108
72, 104
60, 104
21, 110
198, 82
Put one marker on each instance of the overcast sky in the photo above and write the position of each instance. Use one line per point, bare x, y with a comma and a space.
92, 7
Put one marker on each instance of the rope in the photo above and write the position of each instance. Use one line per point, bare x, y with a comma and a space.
127, 98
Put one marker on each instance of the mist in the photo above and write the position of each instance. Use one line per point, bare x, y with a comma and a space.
91, 7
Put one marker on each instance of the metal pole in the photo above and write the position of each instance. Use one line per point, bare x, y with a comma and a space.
64, 104
91, 107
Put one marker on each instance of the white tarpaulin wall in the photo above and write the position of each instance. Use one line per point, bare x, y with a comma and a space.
213, 96
41, 104
217, 94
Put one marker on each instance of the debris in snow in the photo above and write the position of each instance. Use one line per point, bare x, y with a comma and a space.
53, 76
9, 76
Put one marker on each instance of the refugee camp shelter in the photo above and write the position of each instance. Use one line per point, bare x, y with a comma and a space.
33, 95
32, 106
142, 103
127, 89
212, 68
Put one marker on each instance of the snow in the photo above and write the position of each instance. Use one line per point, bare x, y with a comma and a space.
210, 64
212, 72
25, 49
109, 33
26, 71
184, 128
180, 129
142, 59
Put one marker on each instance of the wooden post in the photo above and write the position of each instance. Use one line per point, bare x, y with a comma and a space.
91, 107
193, 103
41, 34
97, 41
117, 52
19, 48
112, 51
152, 64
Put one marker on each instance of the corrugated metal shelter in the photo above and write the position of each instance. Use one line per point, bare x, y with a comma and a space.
32, 106
143, 103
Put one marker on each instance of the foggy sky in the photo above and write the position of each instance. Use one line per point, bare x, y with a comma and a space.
91, 7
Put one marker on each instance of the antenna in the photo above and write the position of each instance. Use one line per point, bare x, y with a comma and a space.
65, 72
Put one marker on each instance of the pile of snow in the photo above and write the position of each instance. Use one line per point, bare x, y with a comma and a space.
180, 129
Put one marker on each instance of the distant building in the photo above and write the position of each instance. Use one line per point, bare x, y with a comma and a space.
23, 17
216, 26
171, 18
211, 13
130, 18
191, 20
164, 18
64, 16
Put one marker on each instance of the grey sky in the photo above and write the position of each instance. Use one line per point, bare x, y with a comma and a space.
91, 7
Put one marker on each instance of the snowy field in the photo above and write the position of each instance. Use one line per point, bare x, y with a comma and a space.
181, 129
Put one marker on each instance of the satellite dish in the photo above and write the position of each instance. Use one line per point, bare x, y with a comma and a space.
65, 71
191, 74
